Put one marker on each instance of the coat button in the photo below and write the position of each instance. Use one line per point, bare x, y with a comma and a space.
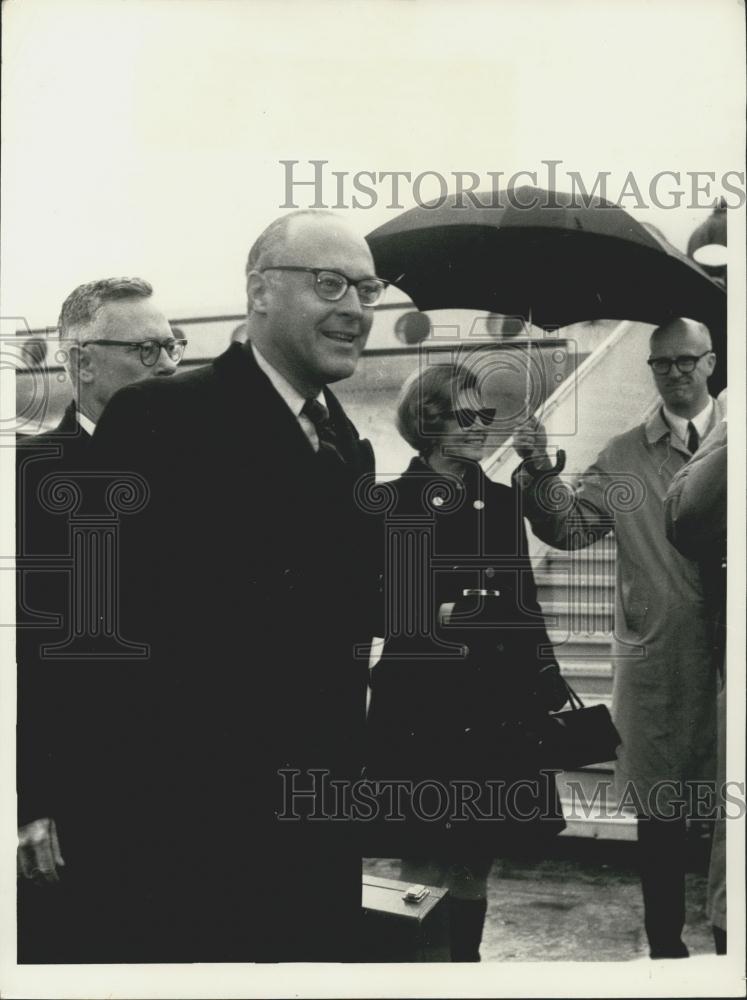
478, 504
490, 572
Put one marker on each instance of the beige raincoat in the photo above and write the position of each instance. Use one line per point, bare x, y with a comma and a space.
664, 691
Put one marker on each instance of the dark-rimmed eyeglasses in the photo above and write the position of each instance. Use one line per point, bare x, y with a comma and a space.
466, 417
332, 285
150, 350
684, 364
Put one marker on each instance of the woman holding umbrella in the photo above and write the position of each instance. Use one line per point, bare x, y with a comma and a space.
467, 670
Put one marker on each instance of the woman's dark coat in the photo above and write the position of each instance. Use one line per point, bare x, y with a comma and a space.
460, 702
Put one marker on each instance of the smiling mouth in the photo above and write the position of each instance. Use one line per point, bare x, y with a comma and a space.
339, 337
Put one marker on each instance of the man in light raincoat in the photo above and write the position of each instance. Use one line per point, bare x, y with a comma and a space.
664, 692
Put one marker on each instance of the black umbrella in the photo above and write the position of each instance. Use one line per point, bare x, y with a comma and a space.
560, 261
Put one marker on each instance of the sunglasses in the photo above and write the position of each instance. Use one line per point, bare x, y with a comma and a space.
467, 417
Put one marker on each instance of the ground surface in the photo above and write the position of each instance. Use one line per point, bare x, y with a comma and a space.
581, 904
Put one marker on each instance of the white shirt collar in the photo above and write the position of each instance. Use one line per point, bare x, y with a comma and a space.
700, 421
87, 424
290, 394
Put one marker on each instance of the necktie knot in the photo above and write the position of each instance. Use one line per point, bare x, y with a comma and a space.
693, 438
318, 414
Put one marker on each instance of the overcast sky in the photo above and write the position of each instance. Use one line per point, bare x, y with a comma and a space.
145, 137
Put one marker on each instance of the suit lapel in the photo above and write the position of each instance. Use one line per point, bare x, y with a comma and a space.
263, 422
259, 416
357, 453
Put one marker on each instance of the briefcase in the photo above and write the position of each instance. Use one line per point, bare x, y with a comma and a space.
404, 923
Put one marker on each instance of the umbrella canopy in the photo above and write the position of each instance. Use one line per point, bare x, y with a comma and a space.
555, 262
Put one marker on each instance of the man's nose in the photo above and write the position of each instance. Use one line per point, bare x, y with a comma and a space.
164, 364
350, 303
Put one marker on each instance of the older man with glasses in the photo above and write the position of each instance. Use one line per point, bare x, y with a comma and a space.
112, 334
664, 693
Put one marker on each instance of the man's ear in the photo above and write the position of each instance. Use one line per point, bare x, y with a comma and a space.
711, 362
257, 291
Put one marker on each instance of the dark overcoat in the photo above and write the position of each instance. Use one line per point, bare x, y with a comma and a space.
53, 691
42, 546
457, 697
247, 575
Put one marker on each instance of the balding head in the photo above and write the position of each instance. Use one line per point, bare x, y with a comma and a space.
310, 338
676, 330
684, 393
268, 248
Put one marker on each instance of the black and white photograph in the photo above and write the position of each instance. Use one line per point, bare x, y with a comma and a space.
372, 578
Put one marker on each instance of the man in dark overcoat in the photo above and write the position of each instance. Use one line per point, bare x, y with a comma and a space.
248, 575
112, 334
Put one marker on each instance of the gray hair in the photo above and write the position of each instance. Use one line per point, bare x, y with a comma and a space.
82, 304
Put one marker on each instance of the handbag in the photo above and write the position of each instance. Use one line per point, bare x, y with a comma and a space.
577, 736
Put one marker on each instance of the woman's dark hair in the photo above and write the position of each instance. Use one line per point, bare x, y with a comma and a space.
427, 399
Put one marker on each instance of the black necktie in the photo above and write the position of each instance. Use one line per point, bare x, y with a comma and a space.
318, 414
692, 438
